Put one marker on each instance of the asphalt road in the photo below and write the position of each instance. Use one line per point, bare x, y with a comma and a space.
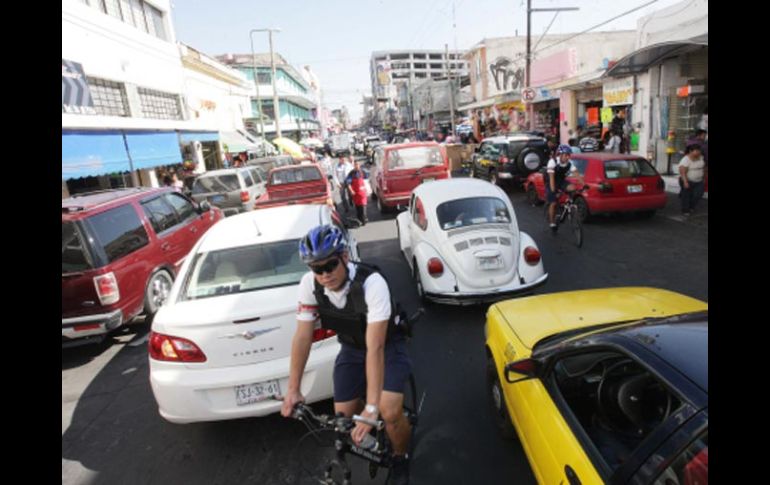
112, 433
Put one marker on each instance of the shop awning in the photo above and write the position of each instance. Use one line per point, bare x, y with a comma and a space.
237, 141
499, 99
574, 83
92, 154
188, 136
477, 105
641, 60
149, 150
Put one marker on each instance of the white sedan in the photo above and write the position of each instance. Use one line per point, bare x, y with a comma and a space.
462, 242
220, 346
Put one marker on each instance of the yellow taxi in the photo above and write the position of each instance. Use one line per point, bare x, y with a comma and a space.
604, 385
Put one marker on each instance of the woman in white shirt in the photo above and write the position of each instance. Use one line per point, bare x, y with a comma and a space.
692, 170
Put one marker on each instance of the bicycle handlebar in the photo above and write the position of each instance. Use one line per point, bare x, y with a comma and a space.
337, 423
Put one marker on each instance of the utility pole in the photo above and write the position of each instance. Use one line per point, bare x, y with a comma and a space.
451, 89
530, 106
276, 106
256, 83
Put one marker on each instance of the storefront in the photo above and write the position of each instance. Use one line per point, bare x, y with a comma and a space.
589, 105
618, 100
546, 113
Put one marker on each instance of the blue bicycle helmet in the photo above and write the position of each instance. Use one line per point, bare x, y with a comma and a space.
563, 149
322, 242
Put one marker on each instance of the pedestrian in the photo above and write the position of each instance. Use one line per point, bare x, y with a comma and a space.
700, 138
357, 187
176, 183
341, 171
552, 145
168, 181
614, 142
692, 172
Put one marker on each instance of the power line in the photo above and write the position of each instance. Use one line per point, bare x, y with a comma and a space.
546, 31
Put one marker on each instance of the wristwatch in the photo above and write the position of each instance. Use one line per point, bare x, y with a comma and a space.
372, 409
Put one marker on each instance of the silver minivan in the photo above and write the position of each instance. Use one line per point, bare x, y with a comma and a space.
234, 190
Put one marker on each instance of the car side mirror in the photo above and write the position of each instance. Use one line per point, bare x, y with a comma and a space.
521, 370
204, 206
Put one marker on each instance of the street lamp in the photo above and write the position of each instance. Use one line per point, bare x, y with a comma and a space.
276, 107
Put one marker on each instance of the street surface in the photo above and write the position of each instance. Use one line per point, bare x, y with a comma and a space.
112, 433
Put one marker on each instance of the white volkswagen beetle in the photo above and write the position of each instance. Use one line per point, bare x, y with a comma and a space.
462, 242
220, 345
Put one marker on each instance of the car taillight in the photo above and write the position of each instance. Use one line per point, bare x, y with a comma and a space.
605, 188
322, 334
174, 349
435, 267
504, 160
531, 255
244, 196
661, 184
107, 288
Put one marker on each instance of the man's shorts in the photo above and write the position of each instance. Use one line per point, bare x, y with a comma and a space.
550, 196
350, 370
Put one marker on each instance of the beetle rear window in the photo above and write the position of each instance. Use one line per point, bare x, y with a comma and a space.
472, 211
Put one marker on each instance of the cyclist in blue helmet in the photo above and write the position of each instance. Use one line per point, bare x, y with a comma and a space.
372, 367
557, 170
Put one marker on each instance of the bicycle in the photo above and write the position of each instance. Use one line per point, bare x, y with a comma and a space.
378, 451
567, 208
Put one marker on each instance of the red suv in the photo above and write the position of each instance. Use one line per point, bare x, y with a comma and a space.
398, 169
121, 250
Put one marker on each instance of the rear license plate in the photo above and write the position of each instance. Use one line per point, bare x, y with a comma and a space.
217, 199
486, 263
251, 393
634, 189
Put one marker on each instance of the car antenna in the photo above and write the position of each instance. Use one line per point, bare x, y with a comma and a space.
259, 233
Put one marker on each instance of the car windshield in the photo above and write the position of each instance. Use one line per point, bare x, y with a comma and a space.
300, 174
220, 183
415, 157
243, 269
472, 211
637, 167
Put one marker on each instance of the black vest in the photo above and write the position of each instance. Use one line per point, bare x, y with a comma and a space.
349, 322
560, 173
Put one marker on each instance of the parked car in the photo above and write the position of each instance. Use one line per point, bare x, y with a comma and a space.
463, 244
617, 183
603, 386
297, 184
269, 163
231, 189
341, 144
398, 169
121, 250
220, 347
510, 157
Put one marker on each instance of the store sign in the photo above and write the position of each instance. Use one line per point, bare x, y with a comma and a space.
75, 95
685, 91
618, 93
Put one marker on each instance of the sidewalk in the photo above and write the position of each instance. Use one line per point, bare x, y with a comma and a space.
672, 185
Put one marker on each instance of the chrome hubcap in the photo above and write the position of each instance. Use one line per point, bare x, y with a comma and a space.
160, 289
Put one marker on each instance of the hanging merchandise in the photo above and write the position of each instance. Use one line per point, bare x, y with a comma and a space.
593, 116
606, 115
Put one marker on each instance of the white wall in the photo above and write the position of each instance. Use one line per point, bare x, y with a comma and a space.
231, 103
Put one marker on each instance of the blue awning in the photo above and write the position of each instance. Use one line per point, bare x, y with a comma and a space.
92, 154
188, 136
153, 149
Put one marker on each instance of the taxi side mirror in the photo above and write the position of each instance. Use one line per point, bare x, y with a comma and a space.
521, 370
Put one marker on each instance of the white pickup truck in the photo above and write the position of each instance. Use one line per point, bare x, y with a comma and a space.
341, 144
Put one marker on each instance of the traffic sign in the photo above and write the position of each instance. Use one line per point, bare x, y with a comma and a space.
528, 94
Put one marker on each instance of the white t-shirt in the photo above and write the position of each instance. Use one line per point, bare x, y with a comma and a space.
342, 171
376, 294
694, 168
552, 166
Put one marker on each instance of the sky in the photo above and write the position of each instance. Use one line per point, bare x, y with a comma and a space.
336, 37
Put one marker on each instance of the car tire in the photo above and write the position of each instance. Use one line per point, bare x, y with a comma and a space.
157, 291
418, 282
525, 162
583, 211
382, 207
497, 404
532, 197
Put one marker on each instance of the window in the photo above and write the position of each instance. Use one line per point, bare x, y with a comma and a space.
118, 231
109, 97
161, 214
155, 21
472, 211
689, 468
638, 167
580, 165
415, 157
420, 65
436, 66
301, 174
422, 75
419, 56
243, 269
74, 256
183, 207
112, 9
399, 57
264, 77
216, 183
138, 15
435, 56
246, 174
160, 105
419, 217
616, 401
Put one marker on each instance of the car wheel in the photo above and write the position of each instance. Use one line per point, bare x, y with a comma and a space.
583, 212
418, 282
497, 403
382, 207
532, 197
157, 291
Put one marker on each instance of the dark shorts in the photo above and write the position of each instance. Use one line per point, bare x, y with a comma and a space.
350, 371
550, 196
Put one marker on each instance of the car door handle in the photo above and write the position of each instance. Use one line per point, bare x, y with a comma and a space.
572, 477
165, 246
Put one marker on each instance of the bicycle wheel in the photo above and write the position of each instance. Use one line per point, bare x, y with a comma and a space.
576, 225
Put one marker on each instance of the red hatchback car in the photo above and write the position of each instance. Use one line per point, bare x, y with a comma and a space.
617, 183
398, 169
121, 250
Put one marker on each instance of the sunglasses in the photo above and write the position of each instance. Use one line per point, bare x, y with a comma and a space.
325, 268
